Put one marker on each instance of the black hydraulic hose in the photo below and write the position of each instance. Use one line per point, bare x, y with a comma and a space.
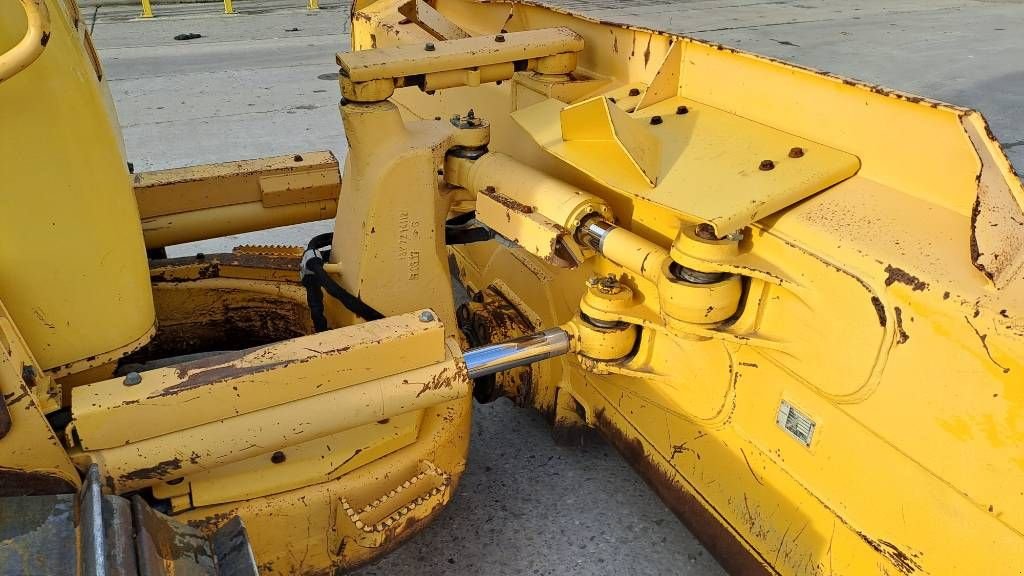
315, 300
316, 281
458, 231
454, 235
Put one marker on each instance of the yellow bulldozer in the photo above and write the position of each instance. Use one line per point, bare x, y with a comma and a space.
792, 301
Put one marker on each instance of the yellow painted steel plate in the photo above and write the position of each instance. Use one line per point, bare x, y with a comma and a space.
711, 161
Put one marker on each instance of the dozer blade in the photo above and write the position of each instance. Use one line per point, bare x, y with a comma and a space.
96, 534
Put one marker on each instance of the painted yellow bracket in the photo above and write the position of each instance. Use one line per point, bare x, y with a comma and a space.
430, 20
200, 202
599, 123
249, 403
31, 455
715, 167
410, 60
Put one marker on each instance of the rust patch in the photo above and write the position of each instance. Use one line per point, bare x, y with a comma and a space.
505, 201
5, 419
901, 334
29, 375
210, 524
213, 361
334, 470
900, 559
156, 472
16, 482
570, 434
712, 531
200, 267
495, 319
904, 277
218, 375
984, 344
876, 302
975, 251
440, 381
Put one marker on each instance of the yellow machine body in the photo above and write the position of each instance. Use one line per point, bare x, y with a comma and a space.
74, 271
859, 411
792, 301
199, 383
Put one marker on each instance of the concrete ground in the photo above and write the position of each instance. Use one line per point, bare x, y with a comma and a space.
260, 83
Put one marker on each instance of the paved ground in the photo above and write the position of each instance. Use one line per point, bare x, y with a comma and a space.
252, 86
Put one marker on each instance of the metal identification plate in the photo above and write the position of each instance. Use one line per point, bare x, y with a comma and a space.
798, 424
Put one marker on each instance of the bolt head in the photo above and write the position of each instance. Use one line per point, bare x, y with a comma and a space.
766, 165
796, 152
608, 284
682, 110
133, 379
277, 457
426, 316
499, 38
429, 47
634, 91
656, 120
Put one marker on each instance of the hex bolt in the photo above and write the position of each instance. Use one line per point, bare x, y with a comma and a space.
499, 38
766, 165
796, 152
605, 284
277, 457
655, 120
429, 47
682, 110
426, 316
297, 158
133, 379
634, 91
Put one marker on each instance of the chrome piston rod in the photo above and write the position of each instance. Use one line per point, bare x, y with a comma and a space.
520, 351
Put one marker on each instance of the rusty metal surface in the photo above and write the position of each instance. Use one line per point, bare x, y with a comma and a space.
5, 419
718, 537
488, 318
105, 534
119, 537
92, 534
232, 550
37, 535
168, 548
